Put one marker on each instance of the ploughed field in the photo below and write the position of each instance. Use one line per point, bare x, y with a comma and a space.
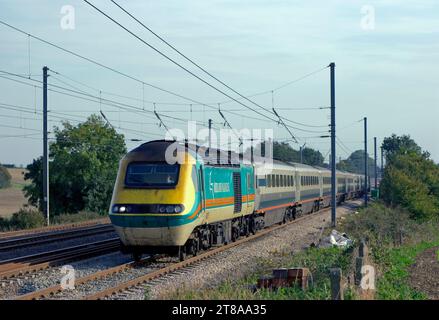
12, 198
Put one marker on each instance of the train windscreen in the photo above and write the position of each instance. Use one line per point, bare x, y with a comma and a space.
153, 175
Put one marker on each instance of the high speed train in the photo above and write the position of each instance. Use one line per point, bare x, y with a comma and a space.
183, 207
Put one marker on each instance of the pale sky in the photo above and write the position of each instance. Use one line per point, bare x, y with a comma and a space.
389, 73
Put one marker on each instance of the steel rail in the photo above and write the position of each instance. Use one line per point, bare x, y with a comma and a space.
21, 265
8, 234
13, 243
47, 292
179, 265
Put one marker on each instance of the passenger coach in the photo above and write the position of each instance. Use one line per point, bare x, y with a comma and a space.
184, 207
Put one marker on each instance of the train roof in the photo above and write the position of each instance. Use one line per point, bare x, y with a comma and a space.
156, 149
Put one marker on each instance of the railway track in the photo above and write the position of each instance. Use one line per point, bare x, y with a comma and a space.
35, 262
9, 234
18, 242
160, 272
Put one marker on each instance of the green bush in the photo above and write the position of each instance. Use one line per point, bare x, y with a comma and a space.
386, 226
5, 178
411, 178
26, 219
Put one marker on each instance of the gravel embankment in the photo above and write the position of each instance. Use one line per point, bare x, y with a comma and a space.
239, 261
231, 264
10, 288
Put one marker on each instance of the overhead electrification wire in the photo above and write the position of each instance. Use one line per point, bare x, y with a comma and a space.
196, 64
124, 106
100, 64
93, 98
106, 67
173, 61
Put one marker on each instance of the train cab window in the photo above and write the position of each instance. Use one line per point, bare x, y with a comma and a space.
152, 175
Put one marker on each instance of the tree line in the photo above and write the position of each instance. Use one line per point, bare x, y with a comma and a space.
411, 178
85, 159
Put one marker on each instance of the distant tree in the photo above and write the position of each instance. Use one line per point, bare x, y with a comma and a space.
5, 177
401, 145
83, 167
284, 152
312, 157
355, 163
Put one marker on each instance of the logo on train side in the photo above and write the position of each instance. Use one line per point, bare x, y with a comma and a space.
221, 187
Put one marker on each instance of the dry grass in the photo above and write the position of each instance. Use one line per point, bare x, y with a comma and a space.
12, 199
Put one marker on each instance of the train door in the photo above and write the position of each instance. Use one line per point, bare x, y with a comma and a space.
237, 192
249, 190
202, 191
321, 184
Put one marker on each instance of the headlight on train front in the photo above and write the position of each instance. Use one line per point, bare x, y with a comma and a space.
147, 208
170, 208
122, 209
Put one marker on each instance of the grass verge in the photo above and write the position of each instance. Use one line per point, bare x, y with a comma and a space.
393, 284
319, 261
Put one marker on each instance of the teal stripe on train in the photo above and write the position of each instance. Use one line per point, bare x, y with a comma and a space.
156, 221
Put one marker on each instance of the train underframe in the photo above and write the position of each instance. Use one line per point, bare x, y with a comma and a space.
220, 233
